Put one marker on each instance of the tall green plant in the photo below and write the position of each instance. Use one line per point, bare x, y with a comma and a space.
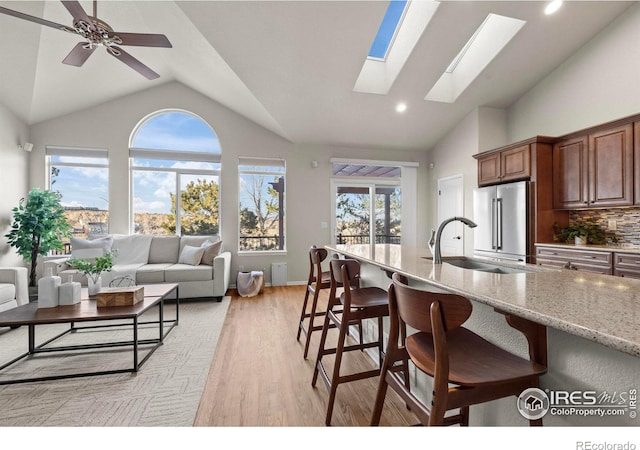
39, 224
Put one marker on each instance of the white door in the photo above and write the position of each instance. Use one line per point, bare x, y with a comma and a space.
451, 204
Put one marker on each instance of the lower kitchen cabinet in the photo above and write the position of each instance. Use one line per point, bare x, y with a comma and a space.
626, 265
608, 262
583, 260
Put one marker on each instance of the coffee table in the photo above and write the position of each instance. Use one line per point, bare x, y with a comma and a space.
86, 312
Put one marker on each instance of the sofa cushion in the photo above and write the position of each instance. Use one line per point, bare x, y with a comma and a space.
152, 273
91, 248
118, 271
196, 241
185, 272
211, 250
75, 275
164, 249
191, 255
7, 292
133, 249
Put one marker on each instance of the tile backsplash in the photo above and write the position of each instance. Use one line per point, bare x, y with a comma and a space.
627, 220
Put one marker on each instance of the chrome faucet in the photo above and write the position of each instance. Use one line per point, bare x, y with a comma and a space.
437, 255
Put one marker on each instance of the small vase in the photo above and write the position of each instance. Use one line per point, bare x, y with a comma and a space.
581, 240
94, 287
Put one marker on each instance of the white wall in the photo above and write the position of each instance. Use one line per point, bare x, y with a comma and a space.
14, 178
599, 83
307, 194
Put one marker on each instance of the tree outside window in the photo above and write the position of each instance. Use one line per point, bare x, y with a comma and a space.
262, 194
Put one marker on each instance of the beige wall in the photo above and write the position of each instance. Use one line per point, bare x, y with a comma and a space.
14, 182
482, 129
307, 194
599, 83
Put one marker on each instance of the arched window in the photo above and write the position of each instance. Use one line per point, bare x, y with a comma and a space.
175, 175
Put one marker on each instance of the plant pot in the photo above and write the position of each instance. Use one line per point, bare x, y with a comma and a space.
581, 240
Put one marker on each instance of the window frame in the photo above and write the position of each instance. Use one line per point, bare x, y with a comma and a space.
263, 162
174, 156
52, 151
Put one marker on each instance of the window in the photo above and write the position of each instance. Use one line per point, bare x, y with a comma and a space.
175, 173
262, 194
81, 176
373, 202
388, 29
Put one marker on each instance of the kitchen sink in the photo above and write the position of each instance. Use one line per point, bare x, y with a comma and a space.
483, 266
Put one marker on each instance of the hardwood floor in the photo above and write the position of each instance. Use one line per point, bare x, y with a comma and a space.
258, 376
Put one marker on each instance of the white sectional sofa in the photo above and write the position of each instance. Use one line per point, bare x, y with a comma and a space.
14, 290
199, 271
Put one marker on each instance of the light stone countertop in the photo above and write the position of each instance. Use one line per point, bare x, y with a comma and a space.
601, 308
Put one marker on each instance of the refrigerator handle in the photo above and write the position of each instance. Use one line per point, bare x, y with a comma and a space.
499, 223
493, 224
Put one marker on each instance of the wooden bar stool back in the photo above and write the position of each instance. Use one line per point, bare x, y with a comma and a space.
357, 304
318, 280
466, 369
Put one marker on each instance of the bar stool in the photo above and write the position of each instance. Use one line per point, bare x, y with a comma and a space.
466, 369
318, 280
357, 304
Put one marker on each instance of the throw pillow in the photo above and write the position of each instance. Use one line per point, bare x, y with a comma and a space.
211, 250
191, 255
90, 248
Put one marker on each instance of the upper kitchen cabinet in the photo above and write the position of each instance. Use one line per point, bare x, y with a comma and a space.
571, 173
500, 166
594, 170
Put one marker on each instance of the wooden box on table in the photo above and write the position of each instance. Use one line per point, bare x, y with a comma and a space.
125, 296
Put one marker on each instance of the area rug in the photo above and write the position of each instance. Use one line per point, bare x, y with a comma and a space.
166, 390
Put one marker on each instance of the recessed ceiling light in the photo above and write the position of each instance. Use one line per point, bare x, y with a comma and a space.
553, 7
401, 107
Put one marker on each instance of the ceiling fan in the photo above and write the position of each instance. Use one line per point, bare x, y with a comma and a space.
98, 33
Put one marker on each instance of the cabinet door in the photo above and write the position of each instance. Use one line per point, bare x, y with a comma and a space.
489, 169
570, 173
611, 167
515, 163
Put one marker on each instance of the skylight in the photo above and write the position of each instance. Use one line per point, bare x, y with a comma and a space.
378, 75
388, 29
491, 37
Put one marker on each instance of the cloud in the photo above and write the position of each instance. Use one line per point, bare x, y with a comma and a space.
139, 205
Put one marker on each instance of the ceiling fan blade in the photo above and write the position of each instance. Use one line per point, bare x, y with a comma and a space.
143, 39
76, 10
132, 62
19, 15
79, 54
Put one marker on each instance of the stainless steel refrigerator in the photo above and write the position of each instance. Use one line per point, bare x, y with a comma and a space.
501, 214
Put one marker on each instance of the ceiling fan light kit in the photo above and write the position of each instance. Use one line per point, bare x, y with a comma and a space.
98, 33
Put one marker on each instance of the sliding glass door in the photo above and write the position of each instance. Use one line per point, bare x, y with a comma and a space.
366, 213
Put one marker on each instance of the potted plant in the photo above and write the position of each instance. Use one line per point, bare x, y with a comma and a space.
92, 268
39, 225
584, 232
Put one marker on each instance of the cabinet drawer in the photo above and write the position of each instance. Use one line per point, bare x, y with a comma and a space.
590, 257
629, 261
627, 273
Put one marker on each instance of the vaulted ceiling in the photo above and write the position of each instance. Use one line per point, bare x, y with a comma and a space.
290, 66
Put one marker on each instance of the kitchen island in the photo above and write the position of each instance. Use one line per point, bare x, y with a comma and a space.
592, 320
